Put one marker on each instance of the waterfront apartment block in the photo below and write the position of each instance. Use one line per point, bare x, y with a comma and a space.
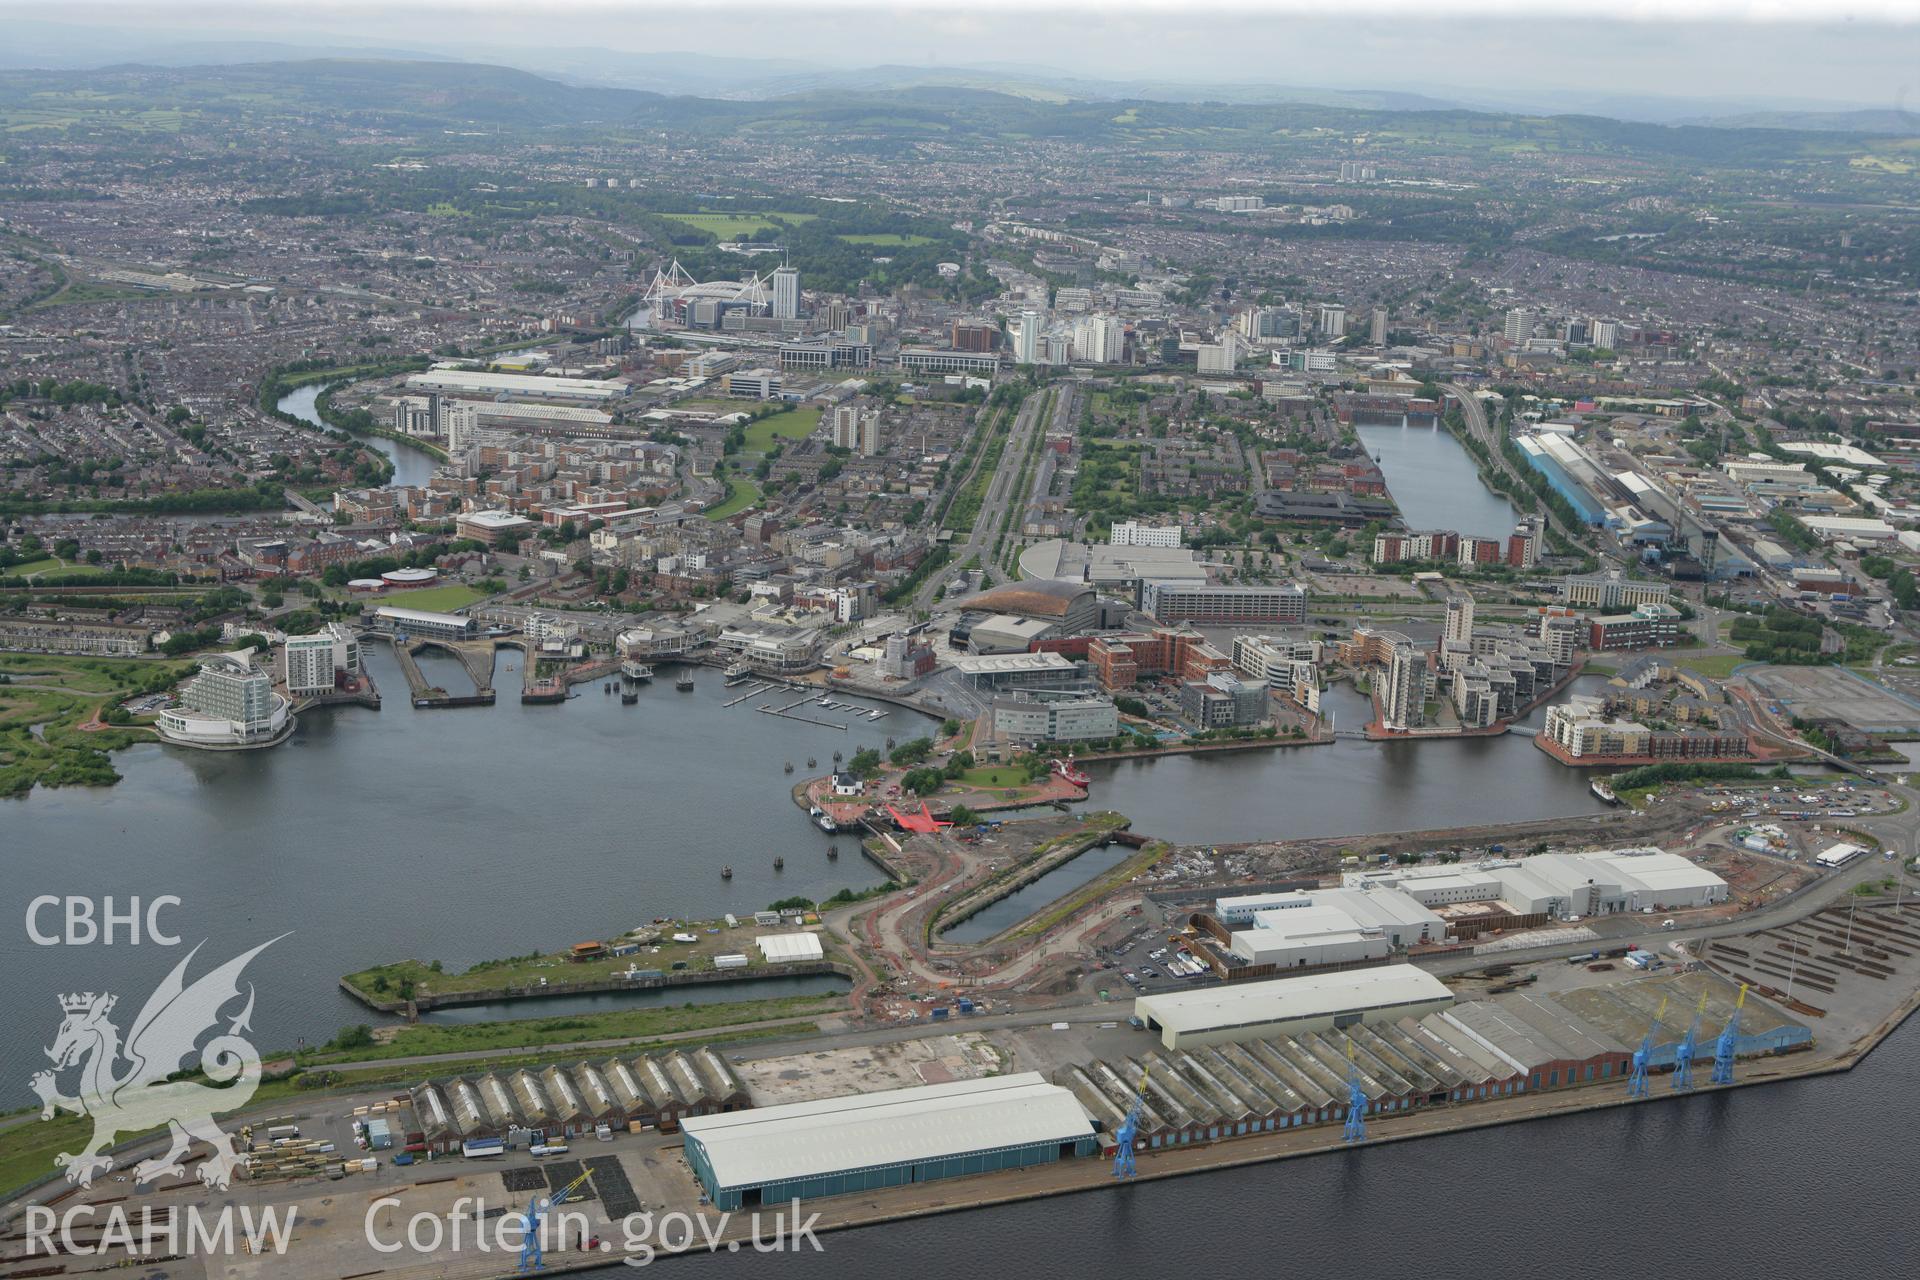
1404, 687
1581, 730
315, 662
1519, 550
1119, 661
1277, 660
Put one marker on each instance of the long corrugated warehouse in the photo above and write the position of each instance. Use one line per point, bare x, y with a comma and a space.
890, 1139
1291, 1006
1471, 1052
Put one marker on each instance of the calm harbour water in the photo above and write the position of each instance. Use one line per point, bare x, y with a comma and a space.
1434, 480
457, 835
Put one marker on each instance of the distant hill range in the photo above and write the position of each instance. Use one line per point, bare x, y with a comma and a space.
882, 111
1893, 123
45, 45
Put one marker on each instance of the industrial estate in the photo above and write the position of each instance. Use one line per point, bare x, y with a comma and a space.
965, 679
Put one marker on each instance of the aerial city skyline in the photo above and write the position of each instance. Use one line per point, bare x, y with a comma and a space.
628, 632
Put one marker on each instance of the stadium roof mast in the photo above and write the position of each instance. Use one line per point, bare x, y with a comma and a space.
672, 284
668, 283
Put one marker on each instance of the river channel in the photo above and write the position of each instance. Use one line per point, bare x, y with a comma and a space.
411, 466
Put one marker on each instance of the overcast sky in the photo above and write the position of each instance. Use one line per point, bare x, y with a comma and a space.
1865, 53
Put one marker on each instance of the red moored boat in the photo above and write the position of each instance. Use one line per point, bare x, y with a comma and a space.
1066, 769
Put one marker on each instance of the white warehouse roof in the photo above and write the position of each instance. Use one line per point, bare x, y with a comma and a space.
521, 384
1000, 664
422, 615
870, 1130
1254, 1004
780, 947
1665, 875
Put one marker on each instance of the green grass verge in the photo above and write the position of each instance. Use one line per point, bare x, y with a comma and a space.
547, 1033
1718, 665
741, 494
995, 777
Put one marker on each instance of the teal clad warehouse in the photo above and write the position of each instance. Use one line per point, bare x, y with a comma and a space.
838, 1145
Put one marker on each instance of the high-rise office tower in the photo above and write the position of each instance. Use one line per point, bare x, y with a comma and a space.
786, 293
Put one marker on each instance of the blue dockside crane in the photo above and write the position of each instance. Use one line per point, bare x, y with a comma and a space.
532, 1255
1637, 1083
1729, 1042
1356, 1130
1123, 1164
1683, 1054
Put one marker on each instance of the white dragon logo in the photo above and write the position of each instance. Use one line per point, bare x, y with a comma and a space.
157, 1046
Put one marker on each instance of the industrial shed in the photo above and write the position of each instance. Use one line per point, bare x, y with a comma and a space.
1468, 1053
783, 948
895, 1138
570, 1100
1290, 1006
1551, 1047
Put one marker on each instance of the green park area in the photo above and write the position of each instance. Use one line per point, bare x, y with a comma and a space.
733, 226
995, 777
788, 424
442, 599
50, 565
